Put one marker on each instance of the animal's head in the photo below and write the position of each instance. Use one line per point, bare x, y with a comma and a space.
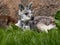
25, 13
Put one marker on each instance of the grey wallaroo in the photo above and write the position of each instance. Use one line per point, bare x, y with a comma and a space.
28, 21
25, 14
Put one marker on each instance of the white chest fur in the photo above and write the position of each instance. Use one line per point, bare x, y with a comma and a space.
24, 27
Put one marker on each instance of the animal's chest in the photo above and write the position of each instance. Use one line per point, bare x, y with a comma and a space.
25, 25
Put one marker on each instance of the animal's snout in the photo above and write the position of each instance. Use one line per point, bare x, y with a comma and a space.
25, 19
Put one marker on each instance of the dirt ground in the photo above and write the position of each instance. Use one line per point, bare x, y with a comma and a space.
41, 7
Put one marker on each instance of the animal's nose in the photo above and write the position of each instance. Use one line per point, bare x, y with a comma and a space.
47, 23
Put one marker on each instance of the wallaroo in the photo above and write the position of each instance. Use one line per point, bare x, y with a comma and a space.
25, 14
28, 21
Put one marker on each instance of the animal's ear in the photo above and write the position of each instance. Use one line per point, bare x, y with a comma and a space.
21, 7
29, 5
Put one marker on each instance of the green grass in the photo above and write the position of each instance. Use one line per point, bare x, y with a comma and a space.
15, 36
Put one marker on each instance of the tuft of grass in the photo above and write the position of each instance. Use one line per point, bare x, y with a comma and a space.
57, 19
57, 16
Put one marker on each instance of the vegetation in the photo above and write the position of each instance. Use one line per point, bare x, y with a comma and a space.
15, 36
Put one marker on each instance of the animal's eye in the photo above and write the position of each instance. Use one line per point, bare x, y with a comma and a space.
26, 13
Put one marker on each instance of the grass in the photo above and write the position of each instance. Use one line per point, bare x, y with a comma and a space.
15, 36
